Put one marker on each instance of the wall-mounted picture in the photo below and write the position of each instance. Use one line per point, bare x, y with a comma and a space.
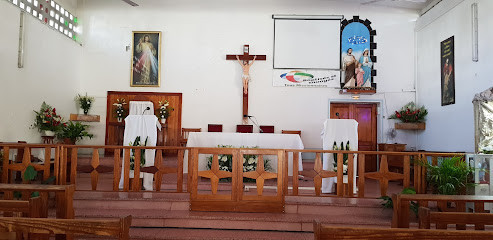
356, 61
447, 71
146, 59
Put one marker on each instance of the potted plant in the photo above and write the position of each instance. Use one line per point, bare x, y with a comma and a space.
411, 117
73, 132
450, 176
164, 111
119, 110
47, 121
85, 102
344, 156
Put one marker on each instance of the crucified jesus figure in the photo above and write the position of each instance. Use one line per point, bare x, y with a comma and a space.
245, 76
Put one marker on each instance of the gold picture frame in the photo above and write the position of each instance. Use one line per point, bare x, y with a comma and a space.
146, 59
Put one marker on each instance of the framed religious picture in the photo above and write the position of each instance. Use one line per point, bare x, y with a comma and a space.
447, 71
146, 59
357, 45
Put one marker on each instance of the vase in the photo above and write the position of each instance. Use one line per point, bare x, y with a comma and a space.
48, 133
86, 111
68, 141
163, 120
119, 119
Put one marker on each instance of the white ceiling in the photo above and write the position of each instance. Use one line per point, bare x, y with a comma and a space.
410, 4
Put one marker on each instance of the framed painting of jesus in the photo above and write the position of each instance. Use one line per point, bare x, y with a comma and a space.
146, 59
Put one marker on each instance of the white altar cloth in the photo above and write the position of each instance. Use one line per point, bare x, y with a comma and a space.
338, 130
144, 126
261, 140
139, 108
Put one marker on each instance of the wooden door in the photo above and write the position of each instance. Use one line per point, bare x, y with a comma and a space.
366, 116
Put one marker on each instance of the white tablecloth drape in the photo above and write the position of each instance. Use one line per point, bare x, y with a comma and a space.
261, 140
139, 108
144, 126
338, 130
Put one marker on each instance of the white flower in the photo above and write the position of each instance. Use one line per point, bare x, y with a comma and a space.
244, 160
224, 168
344, 168
250, 167
250, 161
224, 159
335, 169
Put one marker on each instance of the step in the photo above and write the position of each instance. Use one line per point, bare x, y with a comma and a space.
196, 234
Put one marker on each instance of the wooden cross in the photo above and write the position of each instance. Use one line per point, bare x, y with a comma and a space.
246, 57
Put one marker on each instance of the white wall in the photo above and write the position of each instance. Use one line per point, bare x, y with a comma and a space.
50, 74
198, 34
451, 128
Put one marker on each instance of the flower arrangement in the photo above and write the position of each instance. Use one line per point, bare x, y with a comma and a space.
47, 119
119, 110
249, 161
142, 152
72, 132
410, 113
85, 102
164, 109
487, 150
344, 156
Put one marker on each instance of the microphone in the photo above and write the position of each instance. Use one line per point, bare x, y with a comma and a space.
248, 116
147, 108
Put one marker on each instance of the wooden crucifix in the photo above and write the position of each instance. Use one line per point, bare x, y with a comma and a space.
245, 64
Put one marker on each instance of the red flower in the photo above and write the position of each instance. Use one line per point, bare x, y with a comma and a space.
408, 111
398, 115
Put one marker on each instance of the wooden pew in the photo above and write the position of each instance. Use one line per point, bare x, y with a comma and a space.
323, 232
442, 219
31, 208
401, 203
64, 196
110, 228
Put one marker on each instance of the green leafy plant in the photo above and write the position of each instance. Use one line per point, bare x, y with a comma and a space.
30, 175
74, 132
47, 119
137, 143
119, 110
410, 113
344, 156
387, 202
450, 176
85, 102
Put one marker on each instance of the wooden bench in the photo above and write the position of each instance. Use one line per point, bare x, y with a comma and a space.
31, 208
442, 219
111, 228
401, 203
64, 196
323, 232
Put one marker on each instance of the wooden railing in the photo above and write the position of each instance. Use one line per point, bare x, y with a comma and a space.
460, 219
64, 162
17, 157
411, 161
401, 203
121, 154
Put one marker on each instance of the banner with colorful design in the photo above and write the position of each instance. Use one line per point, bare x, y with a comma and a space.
306, 78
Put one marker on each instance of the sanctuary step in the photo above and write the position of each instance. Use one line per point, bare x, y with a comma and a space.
166, 216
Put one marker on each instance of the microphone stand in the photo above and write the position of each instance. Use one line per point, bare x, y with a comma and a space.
256, 124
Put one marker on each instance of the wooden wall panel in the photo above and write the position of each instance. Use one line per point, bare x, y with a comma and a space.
114, 129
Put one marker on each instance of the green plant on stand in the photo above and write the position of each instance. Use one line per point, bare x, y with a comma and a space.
450, 176
85, 102
73, 132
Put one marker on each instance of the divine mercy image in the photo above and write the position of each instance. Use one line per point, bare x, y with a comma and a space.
146, 59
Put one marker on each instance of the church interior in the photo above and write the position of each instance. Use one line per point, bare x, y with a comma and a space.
280, 119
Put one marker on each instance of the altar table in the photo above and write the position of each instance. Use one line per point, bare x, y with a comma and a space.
260, 140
